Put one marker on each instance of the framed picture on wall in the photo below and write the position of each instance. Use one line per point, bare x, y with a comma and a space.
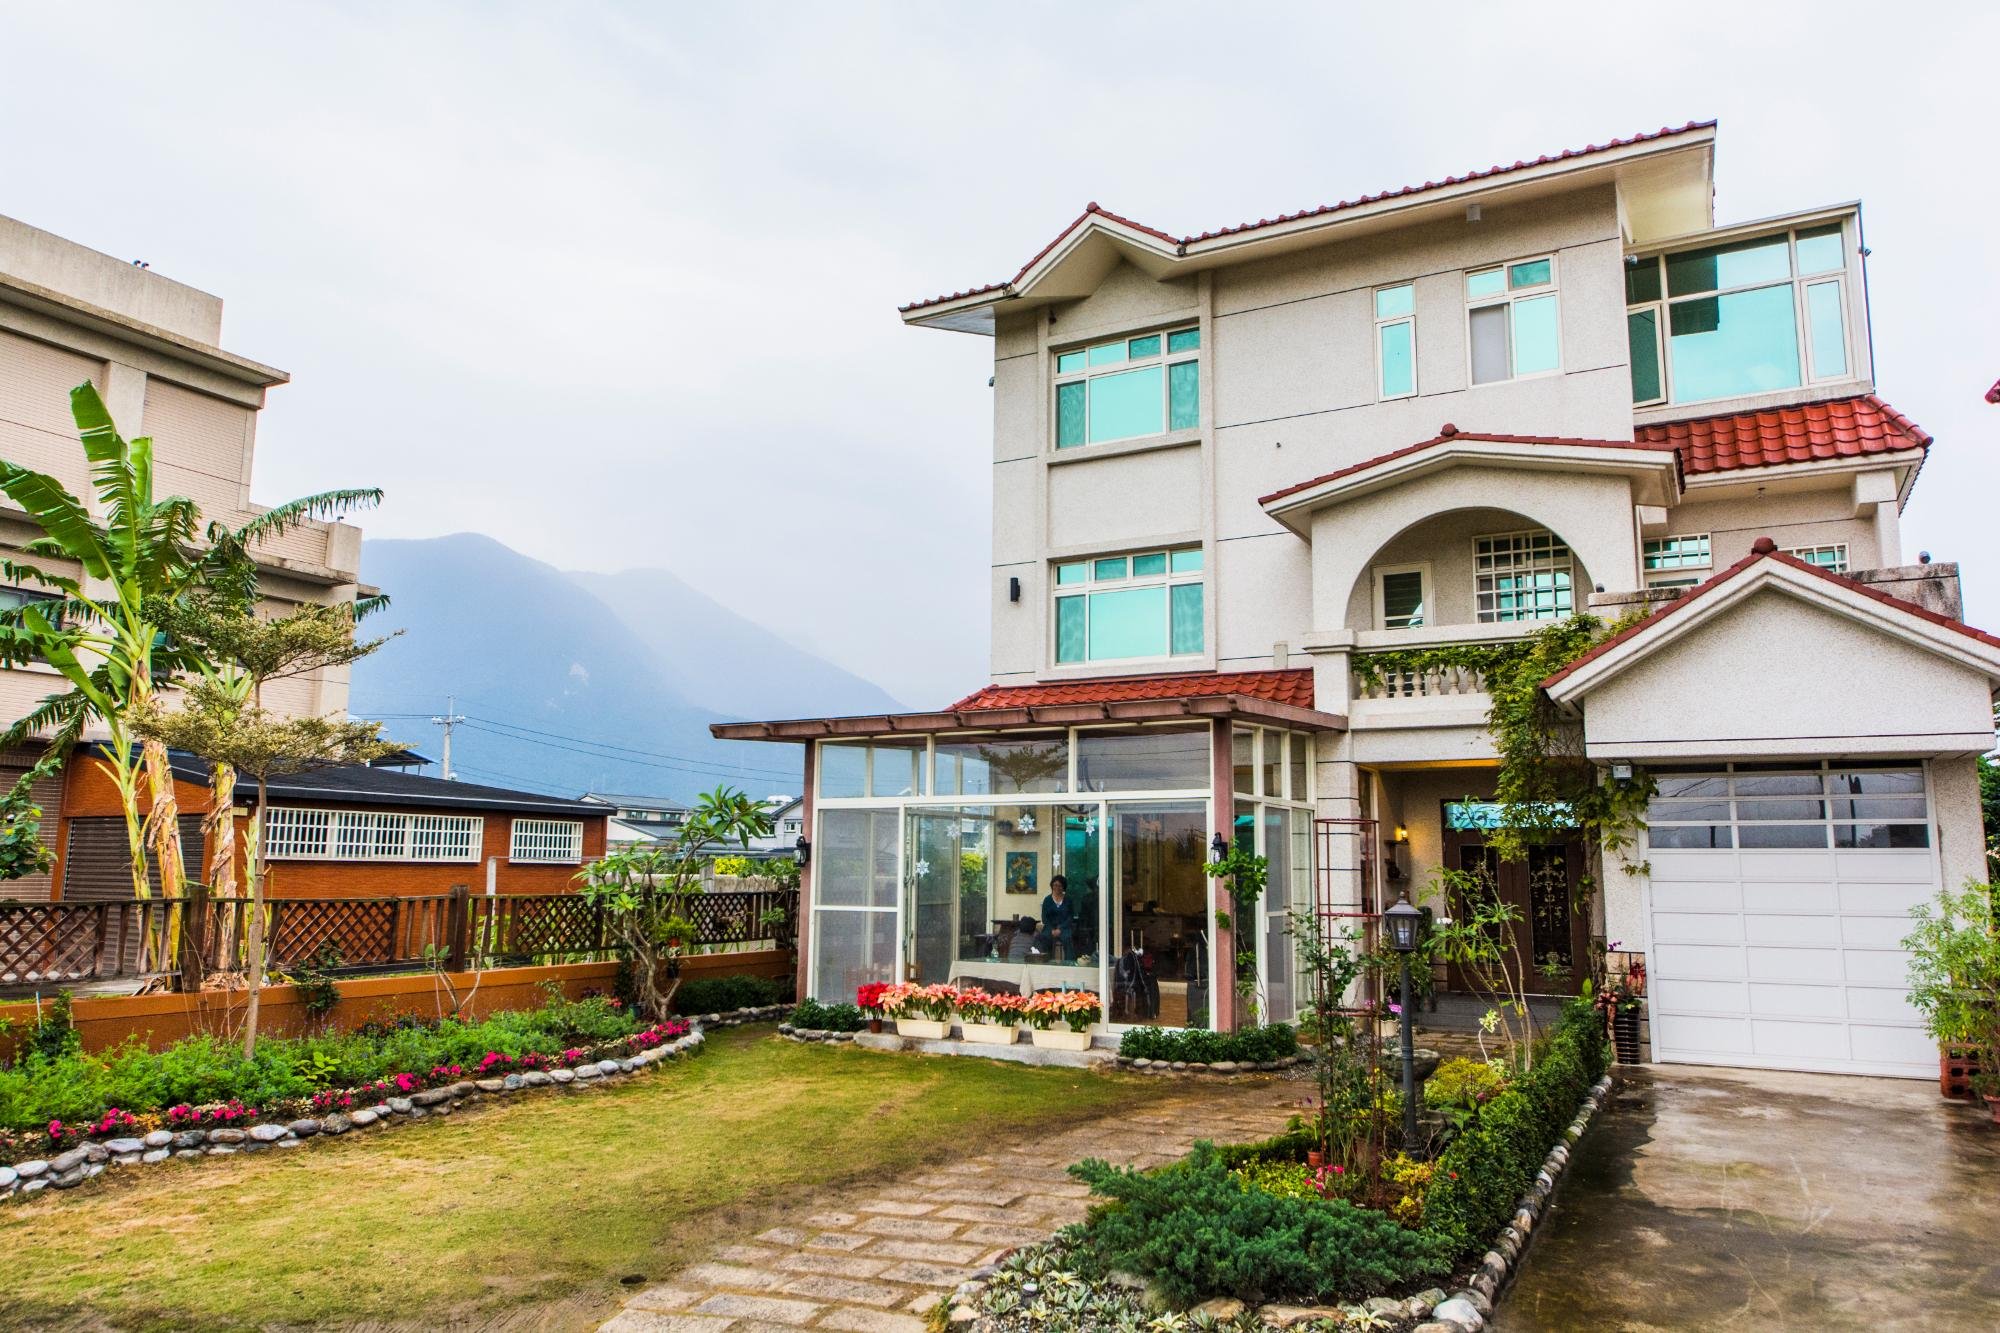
1021, 876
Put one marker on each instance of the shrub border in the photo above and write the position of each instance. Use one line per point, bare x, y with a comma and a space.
1223, 1068
88, 1160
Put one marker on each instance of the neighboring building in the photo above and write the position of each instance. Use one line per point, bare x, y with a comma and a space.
1229, 466
342, 833
153, 349
645, 818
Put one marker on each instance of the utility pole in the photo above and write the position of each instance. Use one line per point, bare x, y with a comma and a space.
452, 717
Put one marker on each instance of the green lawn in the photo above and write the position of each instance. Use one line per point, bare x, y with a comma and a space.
544, 1201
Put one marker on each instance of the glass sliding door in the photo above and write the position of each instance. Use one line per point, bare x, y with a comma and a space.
1159, 943
1287, 839
983, 906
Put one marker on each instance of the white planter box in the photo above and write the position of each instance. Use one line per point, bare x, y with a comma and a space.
992, 1034
929, 1029
1062, 1039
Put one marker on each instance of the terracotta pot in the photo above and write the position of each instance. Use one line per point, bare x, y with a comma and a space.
875, 1025
1993, 1108
1315, 1158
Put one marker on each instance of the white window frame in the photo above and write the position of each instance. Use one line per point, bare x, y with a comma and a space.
1483, 616
1679, 561
1662, 810
1164, 358
311, 833
535, 841
1810, 554
1508, 297
1809, 373
1169, 580
1382, 323
1422, 569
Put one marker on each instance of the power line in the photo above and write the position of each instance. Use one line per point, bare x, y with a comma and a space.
712, 771
627, 749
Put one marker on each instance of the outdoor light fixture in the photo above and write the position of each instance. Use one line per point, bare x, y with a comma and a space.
1218, 848
1013, 590
804, 848
1403, 924
1621, 772
1402, 834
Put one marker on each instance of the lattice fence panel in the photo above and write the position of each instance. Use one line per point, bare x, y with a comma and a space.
537, 926
362, 929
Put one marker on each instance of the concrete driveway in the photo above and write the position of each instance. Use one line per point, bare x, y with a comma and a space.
1732, 1199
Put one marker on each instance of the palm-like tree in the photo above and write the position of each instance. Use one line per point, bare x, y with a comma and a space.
103, 628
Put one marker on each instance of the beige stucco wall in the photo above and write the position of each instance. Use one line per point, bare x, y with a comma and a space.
1779, 677
1820, 516
44, 259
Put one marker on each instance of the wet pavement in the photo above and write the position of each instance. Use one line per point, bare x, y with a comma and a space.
1738, 1199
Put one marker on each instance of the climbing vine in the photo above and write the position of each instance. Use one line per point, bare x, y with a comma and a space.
1546, 782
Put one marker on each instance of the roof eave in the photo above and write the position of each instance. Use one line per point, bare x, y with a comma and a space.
1040, 716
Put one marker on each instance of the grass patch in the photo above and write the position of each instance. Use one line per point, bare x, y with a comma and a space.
548, 1199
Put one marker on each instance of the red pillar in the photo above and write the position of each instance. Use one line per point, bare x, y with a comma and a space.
1222, 978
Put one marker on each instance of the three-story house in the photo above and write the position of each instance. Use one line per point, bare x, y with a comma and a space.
1230, 467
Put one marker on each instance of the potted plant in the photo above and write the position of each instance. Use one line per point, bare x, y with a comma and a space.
923, 1012
868, 999
1955, 979
1621, 999
989, 1019
1075, 1010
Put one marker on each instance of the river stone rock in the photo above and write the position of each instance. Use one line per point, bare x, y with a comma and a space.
418, 1112
1179, 1066
32, 1186
1222, 1309
364, 1118
125, 1159
401, 1105
512, 1082
607, 1066
185, 1153
31, 1170
620, 1066
222, 1150
431, 1097
1383, 1305
587, 1072
305, 1128
62, 1163
267, 1133
1460, 1314
96, 1153
8, 1175
159, 1138
155, 1155
563, 1075
124, 1147
537, 1078
491, 1085
68, 1180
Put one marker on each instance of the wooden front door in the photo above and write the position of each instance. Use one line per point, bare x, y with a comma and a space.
1551, 934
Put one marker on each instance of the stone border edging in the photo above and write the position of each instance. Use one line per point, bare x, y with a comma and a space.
1220, 1067
1467, 1309
86, 1161
790, 1033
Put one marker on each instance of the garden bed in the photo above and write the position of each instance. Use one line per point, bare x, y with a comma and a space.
1264, 1236
155, 1126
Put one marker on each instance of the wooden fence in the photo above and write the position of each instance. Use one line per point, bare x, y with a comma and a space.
56, 944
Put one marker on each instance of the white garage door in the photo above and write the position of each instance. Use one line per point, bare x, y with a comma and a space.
1779, 898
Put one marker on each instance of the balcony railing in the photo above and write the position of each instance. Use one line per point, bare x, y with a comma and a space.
1430, 682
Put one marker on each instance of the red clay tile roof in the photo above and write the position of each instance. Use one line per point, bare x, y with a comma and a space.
1294, 686
1807, 433
1453, 434
1665, 131
1766, 549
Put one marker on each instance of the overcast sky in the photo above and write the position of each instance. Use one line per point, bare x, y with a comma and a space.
617, 284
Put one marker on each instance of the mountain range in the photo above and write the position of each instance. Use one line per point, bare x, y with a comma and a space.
573, 682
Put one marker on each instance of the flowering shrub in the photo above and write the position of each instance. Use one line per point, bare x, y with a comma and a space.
907, 1000
868, 998
220, 1115
1078, 1008
978, 1006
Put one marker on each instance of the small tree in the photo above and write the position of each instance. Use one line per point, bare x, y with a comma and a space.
225, 727
1342, 1064
22, 851
1247, 873
1480, 940
1955, 974
645, 890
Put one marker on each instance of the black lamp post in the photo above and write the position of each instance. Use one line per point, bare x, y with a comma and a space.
803, 849
1403, 923
1218, 848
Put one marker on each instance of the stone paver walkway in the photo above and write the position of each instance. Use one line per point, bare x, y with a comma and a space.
874, 1260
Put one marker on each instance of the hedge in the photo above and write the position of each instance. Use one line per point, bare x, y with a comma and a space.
1491, 1164
1199, 1046
720, 995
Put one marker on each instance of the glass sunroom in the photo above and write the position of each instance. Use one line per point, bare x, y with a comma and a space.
1057, 847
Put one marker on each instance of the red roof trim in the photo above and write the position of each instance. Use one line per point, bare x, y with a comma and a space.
1834, 428
1664, 132
1453, 435
1765, 549
1292, 686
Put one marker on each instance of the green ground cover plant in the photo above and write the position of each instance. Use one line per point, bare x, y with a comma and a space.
719, 995
1277, 1041
828, 1017
524, 1212
55, 1092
